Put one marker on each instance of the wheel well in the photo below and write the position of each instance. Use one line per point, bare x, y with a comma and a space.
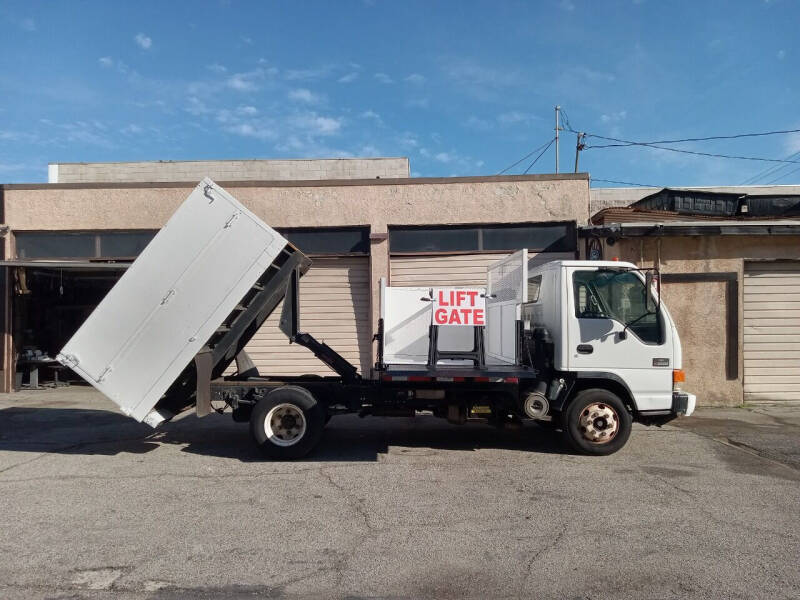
615, 387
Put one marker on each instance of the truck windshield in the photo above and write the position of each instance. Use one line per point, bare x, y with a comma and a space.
619, 295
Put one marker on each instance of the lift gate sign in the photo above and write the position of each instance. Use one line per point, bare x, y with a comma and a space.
459, 307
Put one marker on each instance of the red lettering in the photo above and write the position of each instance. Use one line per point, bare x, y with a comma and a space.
460, 297
440, 316
478, 317
454, 320
465, 313
472, 295
441, 299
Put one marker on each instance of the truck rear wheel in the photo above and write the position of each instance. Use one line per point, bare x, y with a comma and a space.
597, 422
287, 423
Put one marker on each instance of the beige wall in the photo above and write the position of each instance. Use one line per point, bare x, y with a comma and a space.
241, 170
374, 203
699, 308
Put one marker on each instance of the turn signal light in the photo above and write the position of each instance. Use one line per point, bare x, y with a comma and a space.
678, 377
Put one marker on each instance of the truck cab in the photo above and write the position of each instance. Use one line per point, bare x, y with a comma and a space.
607, 331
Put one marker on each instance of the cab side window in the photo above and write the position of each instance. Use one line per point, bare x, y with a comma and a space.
618, 295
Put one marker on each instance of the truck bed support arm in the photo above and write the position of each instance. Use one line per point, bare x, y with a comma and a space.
290, 326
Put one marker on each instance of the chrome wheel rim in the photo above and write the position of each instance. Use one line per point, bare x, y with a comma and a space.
285, 425
599, 423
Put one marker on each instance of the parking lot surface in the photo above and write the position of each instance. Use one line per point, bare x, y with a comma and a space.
95, 505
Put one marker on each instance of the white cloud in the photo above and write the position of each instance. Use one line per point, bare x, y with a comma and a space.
567, 5
247, 110
106, 61
303, 95
516, 117
478, 124
415, 78
245, 82
143, 41
418, 103
373, 116
383, 78
131, 129
369, 150
314, 124
781, 54
306, 74
793, 143
247, 40
408, 140
349, 78
614, 117
443, 157
196, 107
217, 68
252, 130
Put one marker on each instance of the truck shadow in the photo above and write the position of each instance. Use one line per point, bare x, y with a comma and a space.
346, 438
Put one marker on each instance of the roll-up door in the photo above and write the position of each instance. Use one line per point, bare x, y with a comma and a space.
334, 308
772, 331
456, 269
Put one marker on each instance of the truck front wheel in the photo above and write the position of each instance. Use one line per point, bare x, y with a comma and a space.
597, 422
287, 423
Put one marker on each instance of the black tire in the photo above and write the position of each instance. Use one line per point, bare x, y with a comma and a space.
301, 435
606, 407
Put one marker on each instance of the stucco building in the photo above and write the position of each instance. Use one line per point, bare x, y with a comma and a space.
67, 242
730, 264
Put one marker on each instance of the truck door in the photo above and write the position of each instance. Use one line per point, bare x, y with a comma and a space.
601, 303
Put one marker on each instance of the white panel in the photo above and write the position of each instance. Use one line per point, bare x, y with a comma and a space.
405, 325
507, 288
771, 331
171, 300
407, 319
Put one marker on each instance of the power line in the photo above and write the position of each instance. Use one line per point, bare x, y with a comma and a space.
531, 153
681, 151
540, 156
769, 171
625, 182
698, 139
782, 176
565, 121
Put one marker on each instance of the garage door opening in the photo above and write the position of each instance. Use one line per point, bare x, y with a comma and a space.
49, 304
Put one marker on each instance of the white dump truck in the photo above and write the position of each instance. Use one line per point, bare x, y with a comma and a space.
583, 346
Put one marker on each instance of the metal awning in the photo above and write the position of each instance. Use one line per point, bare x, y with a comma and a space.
691, 228
65, 264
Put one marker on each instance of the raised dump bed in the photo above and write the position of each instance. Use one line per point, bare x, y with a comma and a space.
185, 308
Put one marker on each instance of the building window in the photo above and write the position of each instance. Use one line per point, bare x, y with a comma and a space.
86, 244
540, 237
350, 240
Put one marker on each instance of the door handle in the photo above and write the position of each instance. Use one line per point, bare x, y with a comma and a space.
585, 349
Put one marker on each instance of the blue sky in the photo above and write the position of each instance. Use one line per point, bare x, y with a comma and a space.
461, 88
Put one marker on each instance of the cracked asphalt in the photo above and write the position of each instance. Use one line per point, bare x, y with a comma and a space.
95, 505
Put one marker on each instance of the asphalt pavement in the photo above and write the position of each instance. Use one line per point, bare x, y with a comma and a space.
95, 505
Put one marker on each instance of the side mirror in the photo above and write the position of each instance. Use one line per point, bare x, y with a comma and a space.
651, 305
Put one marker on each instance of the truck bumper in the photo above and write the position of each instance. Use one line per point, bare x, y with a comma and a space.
683, 403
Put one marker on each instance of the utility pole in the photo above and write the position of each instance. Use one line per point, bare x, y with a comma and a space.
579, 145
558, 108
